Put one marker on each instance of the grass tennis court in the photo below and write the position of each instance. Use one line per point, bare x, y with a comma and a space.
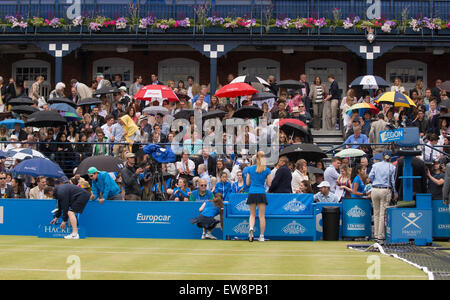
100, 258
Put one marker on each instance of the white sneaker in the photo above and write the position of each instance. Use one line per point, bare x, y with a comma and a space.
250, 235
261, 239
72, 237
203, 236
209, 236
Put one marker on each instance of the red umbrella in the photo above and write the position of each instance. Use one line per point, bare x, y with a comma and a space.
236, 89
292, 121
150, 92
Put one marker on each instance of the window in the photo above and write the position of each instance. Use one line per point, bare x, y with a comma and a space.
113, 66
178, 69
261, 67
409, 71
28, 69
325, 67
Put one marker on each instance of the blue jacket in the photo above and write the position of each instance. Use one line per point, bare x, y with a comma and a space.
223, 188
105, 185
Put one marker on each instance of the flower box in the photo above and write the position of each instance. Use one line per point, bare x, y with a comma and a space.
279, 30
324, 30
123, 30
410, 31
109, 29
445, 31
79, 29
156, 30
216, 30
185, 30
379, 31
243, 30
49, 29
342, 30
9, 29
427, 31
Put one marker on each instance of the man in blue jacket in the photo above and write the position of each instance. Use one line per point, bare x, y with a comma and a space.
103, 186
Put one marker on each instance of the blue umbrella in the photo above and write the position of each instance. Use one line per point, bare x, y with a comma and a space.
9, 123
38, 167
3, 154
63, 107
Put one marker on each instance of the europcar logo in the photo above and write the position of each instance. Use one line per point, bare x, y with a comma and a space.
152, 219
242, 206
294, 206
294, 228
356, 212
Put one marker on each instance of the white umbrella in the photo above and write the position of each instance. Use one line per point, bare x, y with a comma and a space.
350, 152
153, 110
250, 79
22, 153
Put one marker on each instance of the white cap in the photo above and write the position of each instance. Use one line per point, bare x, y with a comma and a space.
324, 184
123, 88
13, 137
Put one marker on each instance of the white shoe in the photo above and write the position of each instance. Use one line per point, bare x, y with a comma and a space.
209, 236
72, 237
203, 236
261, 239
250, 235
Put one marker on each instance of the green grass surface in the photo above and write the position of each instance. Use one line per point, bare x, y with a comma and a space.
34, 258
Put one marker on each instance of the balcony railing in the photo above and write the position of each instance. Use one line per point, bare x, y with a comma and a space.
390, 9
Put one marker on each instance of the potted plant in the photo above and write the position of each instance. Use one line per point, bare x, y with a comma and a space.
388, 27
321, 24
15, 24
180, 26
303, 25
280, 25
445, 29
215, 24
415, 26
349, 26
121, 25
54, 25
146, 24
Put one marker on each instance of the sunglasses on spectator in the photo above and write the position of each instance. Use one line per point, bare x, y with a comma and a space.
202, 185
2, 178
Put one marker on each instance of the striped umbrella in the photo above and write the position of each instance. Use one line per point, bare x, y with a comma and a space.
395, 98
362, 108
369, 82
22, 153
71, 117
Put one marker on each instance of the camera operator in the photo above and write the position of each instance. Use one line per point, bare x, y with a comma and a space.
131, 178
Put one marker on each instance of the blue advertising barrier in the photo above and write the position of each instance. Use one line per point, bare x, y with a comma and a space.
288, 217
115, 219
441, 219
357, 218
411, 224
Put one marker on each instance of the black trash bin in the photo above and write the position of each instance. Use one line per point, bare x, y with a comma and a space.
330, 220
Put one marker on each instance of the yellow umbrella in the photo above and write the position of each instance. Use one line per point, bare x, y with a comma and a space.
395, 98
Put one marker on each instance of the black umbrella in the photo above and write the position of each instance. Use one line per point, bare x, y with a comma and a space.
184, 114
445, 116
89, 101
248, 112
250, 79
294, 129
62, 100
290, 84
183, 97
20, 101
218, 113
445, 104
106, 90
263, 96
308, 152
45, 118
314, 170
102, 163
24, 109
445, 86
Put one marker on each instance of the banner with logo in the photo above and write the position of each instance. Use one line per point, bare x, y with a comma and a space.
279, 204
357, 217
406, 224
441, 219
115, 219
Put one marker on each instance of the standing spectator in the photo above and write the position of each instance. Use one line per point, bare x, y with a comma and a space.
397, 87
317, 95
101, 81
83, 91
103, 186
192, 87
118, 83
281, 183
58, 92
155, 80
382, 178
436, 91
6, 191
131, 178
446, 187
331, 173
429, 154
435, 181
421, 123
300, 174
101, 148
304, 92
256, 177
331, 103
96, 119
203, 174
343, 183
358, 180
34, 92
136, 86
273, 84
38, 191
375, 128
74, 96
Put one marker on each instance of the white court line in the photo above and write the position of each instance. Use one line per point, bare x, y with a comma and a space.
205, 274
177, 253
177, 249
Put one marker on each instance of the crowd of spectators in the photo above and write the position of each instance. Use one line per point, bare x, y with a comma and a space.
120, 127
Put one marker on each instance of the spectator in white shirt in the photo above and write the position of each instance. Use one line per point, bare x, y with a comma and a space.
331, 174
300, 174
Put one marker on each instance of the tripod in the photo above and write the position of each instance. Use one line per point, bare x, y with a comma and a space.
158, 179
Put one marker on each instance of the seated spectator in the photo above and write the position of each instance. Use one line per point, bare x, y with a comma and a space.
325, 195
38, 191
100, 149
239, 186
6, 191
17, 187
181, 192
201, 193
223, 186
185, 167
300, 174
356, 139
305, 187
315, 185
